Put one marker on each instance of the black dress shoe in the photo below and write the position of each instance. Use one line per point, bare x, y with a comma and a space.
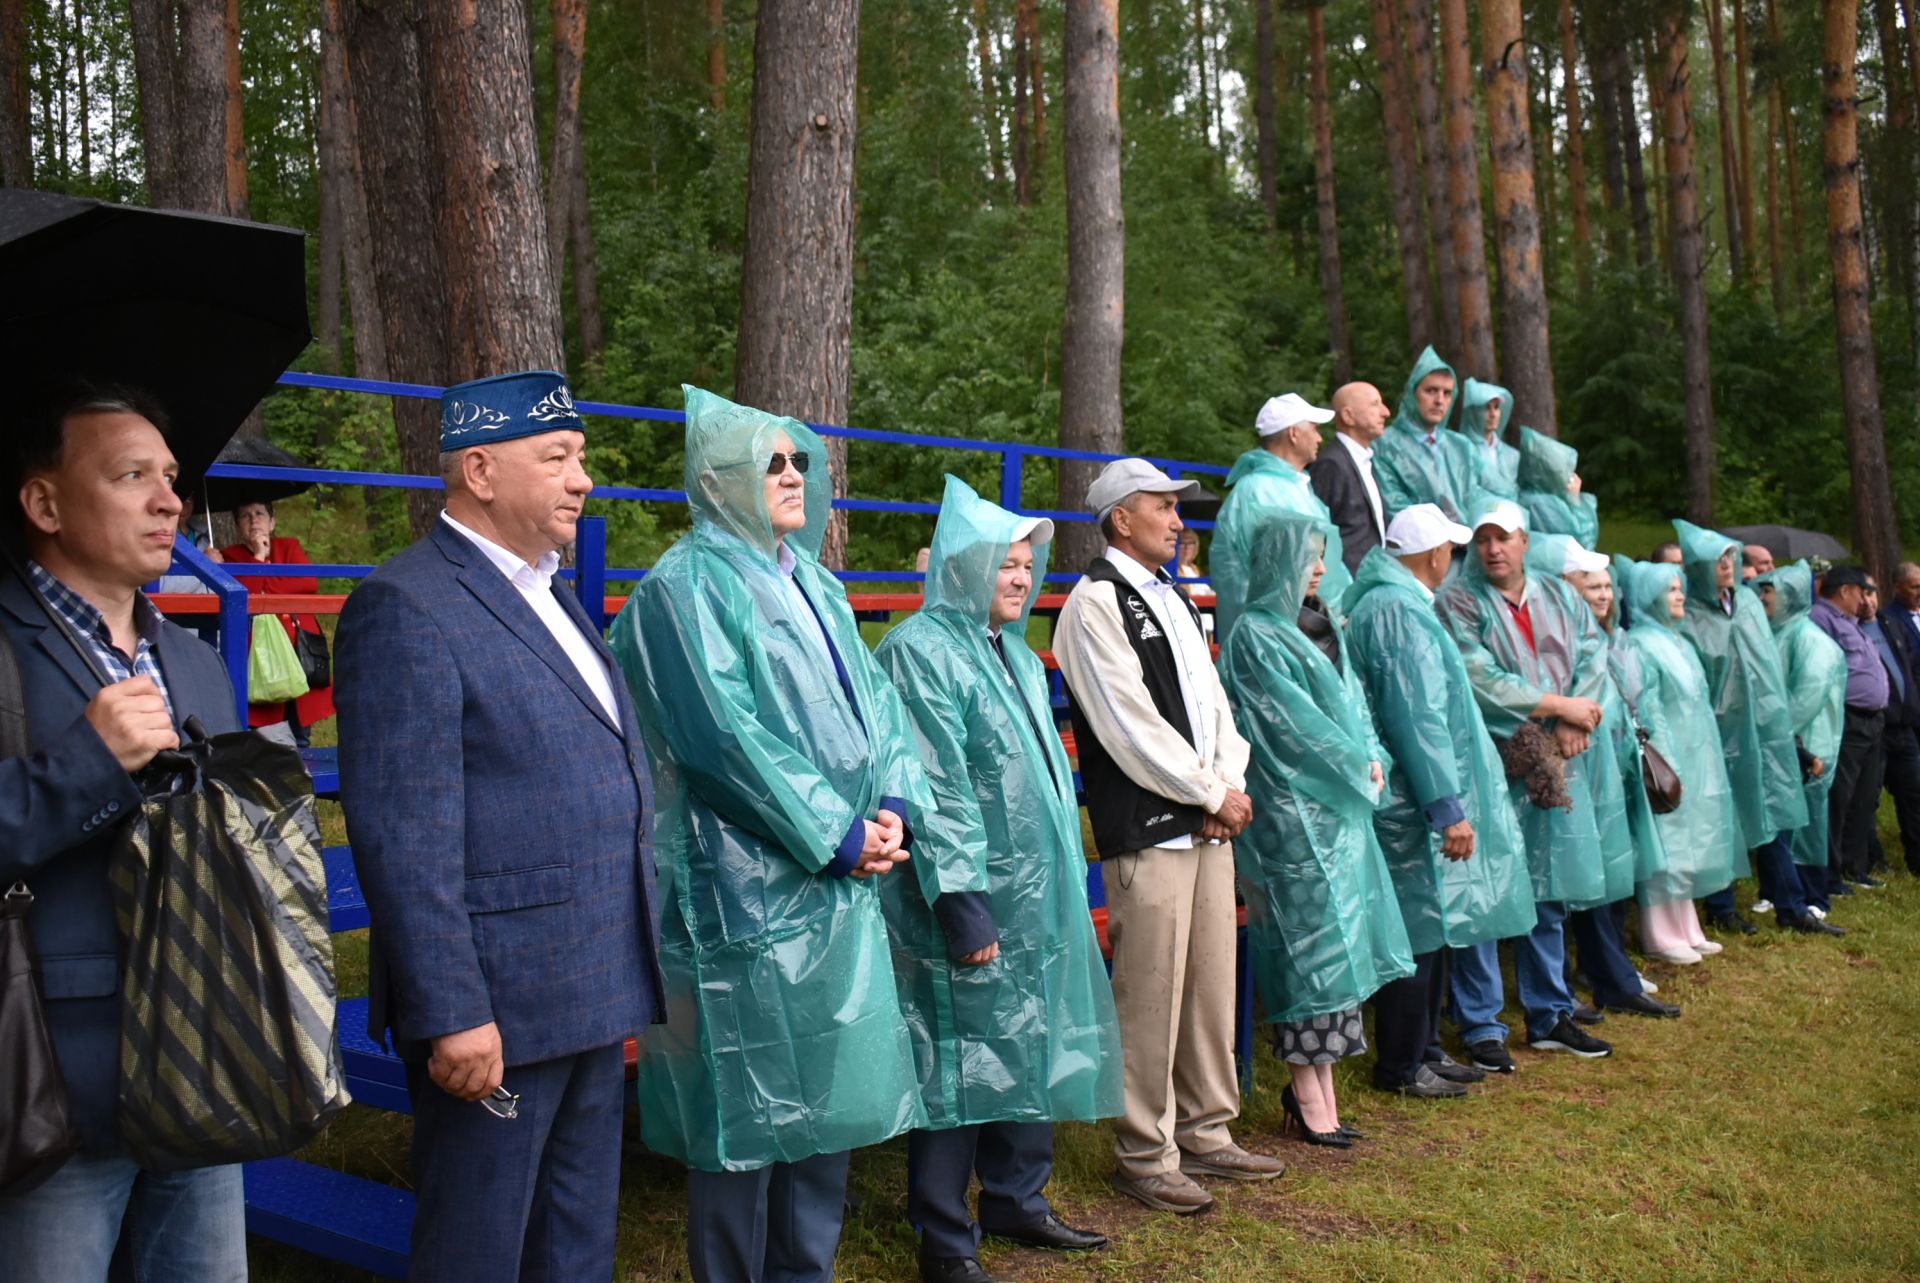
952, 1269
1641, 1005
1050, 1233
1732, 922
1587, 1014
1839, 886
1808, 925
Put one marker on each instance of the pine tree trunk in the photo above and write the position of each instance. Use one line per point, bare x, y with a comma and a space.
1095, 325
1324, 205
1896, 158
1037, 87
796, 296
1797, 247
341, 174
1576, 150
1266, 142
396, 149
569, 52
1775, 262
586, 268
1200, 69
157, 76
1729, 157
1528, 370
717, 54
1417, 16
83, 63
1613, 157
1637, 185
236, 120
1688, 269
1743, 76
326, 329
1876, 527
1022, 194
1463, 194
1403, 174
989, 94
16, 152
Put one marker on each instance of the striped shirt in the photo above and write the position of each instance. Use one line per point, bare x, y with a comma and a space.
90, 626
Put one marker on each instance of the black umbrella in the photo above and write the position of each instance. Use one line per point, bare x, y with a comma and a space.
224, 494
203, 313
1204, 506
1789, 543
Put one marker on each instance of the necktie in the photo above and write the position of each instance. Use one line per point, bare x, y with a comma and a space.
1000, 649
839, 668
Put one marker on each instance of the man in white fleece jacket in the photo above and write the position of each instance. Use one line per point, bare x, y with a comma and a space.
1164, 771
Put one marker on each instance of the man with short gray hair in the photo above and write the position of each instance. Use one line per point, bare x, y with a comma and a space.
1165, 774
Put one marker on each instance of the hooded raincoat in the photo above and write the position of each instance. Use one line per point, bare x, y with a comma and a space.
783, 1037
1748, 692
1497, 469
1322, 917
1546, 470
1427, 719
1409, 471
1030, 1036
1262, 485
1815, 670
1701, 844
1568, 657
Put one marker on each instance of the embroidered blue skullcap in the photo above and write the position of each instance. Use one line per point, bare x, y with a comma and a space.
506, 406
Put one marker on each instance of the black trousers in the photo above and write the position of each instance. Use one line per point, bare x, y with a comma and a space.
1014, 1160
1903, 781
1406, 1021
1856, 791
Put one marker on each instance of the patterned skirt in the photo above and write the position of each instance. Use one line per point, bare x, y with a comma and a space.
1321, 1040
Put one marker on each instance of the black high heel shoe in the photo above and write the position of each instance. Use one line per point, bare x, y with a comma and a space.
1332, 1140
1351, 1133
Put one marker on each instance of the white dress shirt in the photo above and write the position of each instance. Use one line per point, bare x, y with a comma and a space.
534, 583
1363, 462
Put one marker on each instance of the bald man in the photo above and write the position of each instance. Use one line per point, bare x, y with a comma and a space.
1755, 560
1343, 475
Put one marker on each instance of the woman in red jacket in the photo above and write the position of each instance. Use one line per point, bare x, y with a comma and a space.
259, 544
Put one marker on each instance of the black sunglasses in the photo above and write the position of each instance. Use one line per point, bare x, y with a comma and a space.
778, 463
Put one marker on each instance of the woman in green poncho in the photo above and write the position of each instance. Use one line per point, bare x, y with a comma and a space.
1815, 670
1321, 914
1700, 840
1551, 490
786, 777
999, 971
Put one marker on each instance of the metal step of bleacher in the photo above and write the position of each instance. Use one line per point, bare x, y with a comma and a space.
335, 1216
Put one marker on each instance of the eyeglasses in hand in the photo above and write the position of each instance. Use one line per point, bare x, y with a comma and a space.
502, 1103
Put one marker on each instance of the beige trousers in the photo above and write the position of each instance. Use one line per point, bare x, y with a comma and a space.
1172, 921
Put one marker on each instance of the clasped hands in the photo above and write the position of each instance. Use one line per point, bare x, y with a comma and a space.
882, 849
1578, 720
1226, 824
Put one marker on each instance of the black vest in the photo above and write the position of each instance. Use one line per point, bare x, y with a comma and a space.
1125, 816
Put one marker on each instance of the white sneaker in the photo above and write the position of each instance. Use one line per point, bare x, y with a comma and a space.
1759, 906
1679, 957
1647, 986
1707, 948
1817, 912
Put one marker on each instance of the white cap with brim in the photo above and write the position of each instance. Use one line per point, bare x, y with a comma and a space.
1124, 477
1282, 412
1037, 529
1585, 562
1506, 514
1422, 528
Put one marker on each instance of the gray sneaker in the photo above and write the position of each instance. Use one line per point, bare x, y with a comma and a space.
1164, 1192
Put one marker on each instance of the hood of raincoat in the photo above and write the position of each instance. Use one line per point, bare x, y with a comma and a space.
969, 542
1260, 459
1380, 569
1285, 548
1473, 399
1700, 550
728, 447
1408, 418
1546, 465
1643, 585
1792, 593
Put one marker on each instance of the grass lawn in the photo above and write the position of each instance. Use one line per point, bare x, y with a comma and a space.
1771, 1133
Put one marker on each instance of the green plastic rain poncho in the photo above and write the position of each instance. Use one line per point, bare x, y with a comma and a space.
1497, 469
1749, 694
1322, 917
783, 1036
1815, 670
1546, 470
1701, 847
1619, 794
1262, 485
1569, 657
1629, 679
1426, 718
1031, 1036
1409, 471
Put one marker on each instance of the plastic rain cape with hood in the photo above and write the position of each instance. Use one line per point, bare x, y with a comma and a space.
1262, 485
1747, 692
1621, 813
1568, 657
783, 1034
1426, 718
1409, 471
1322, 917
1547, 468
1030, 1036
1815, 670
1701, 845
1497, 470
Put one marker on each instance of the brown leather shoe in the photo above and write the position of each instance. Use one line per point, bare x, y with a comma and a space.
1232, 1163
1164, 1192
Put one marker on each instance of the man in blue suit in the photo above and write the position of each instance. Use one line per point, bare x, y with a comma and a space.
490, 771
95, 516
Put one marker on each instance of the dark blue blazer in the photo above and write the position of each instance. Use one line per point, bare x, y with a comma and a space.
498, 817
60, 810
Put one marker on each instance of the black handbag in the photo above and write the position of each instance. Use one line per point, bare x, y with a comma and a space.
310, 648
1663, 785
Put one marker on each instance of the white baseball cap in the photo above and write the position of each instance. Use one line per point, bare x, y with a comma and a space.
1586, 562
1125, 477
1504, 513
1037, 529
1282, 412
1422, 528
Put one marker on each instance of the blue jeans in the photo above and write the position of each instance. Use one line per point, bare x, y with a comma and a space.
179, 1227
1539, 965
1780, 879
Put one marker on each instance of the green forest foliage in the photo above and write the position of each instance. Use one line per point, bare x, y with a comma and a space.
959, 291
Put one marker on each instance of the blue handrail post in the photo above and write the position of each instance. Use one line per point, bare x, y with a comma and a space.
236, 630
590, 568
1012, 461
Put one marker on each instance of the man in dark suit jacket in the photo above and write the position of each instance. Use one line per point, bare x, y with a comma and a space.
491, 775
1343, 475
94, 480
